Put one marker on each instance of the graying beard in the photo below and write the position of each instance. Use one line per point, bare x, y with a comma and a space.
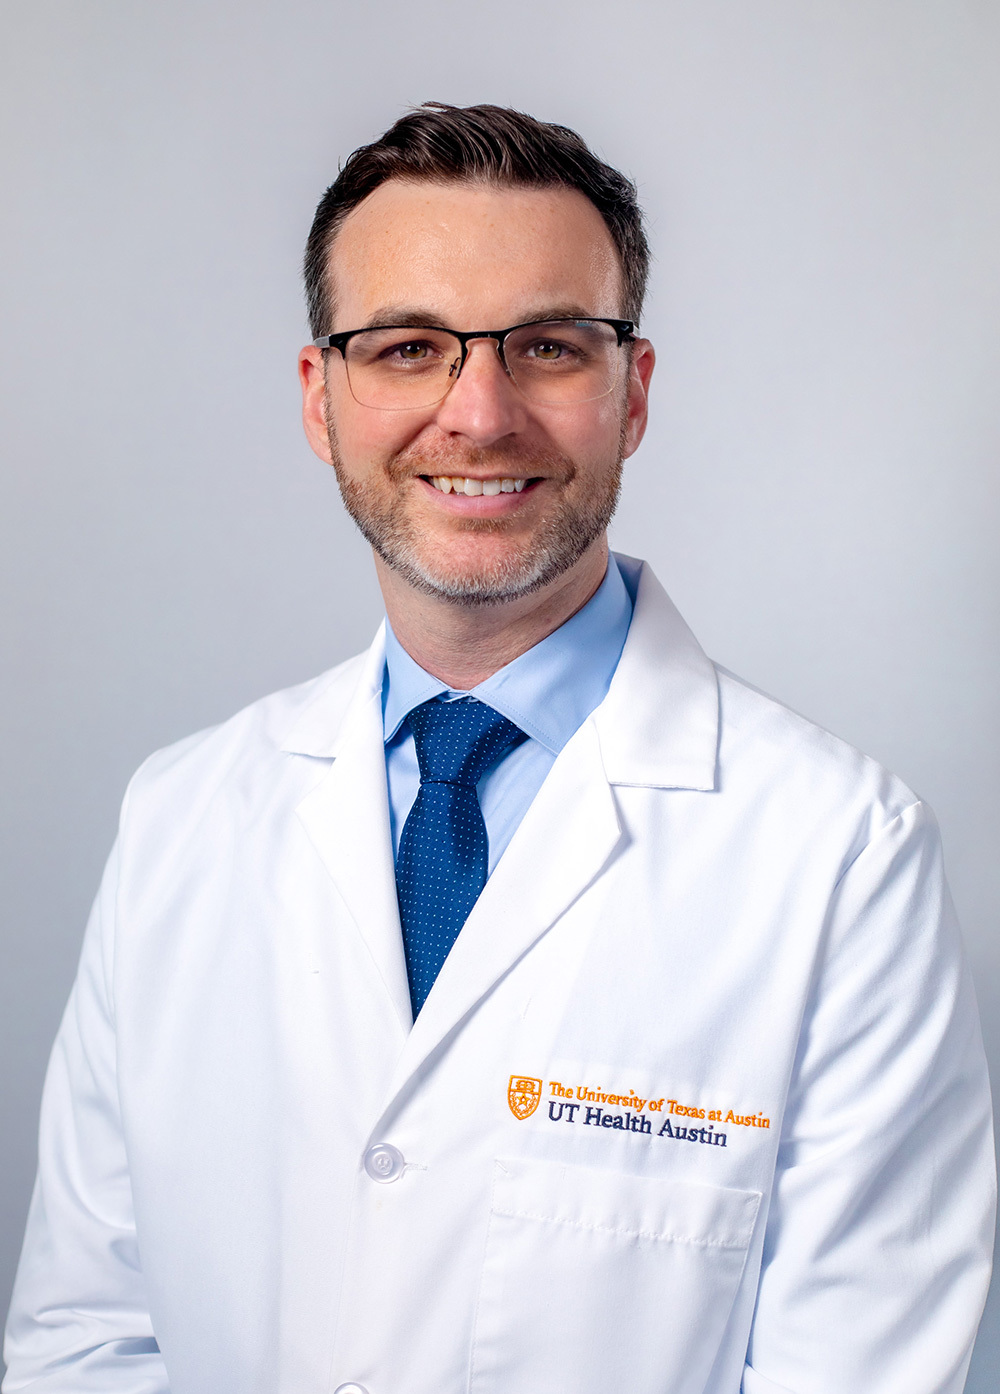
562, 544
512, 581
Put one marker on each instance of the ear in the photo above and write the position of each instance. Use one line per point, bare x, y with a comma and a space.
312, 376
640, 372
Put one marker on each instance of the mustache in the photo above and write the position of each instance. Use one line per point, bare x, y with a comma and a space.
459, 461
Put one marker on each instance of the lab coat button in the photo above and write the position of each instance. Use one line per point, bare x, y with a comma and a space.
383, 1162
350, 1389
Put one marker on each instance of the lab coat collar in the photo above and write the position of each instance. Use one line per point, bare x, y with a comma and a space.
658, 727
322, 728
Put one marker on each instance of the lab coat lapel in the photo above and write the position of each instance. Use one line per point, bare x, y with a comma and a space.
566, 837
346, 816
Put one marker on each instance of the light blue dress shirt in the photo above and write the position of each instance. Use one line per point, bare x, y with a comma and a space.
548, 692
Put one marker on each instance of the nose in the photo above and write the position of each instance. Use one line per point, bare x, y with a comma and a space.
482, 404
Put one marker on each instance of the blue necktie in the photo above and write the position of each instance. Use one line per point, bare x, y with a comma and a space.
443, 851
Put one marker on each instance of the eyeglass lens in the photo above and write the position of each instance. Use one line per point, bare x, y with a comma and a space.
556, 364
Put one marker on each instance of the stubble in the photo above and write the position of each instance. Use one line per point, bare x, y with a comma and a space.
380, 510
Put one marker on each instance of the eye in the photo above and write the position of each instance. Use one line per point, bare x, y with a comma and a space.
414, 351
547, 350
410, 354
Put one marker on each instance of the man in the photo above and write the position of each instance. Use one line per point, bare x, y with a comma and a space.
526, 1005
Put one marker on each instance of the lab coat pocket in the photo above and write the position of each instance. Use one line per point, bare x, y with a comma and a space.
595, 1280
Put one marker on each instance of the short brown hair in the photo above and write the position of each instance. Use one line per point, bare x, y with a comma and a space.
488, 144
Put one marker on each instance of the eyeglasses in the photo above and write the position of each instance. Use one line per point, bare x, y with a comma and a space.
556, 362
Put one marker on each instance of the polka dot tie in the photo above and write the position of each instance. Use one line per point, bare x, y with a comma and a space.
443, 850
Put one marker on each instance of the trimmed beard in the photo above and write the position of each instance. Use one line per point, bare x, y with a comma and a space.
558, 543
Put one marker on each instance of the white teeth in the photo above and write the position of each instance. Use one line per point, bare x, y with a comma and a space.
456, 484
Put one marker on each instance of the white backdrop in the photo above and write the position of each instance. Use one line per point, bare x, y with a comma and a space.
819, 488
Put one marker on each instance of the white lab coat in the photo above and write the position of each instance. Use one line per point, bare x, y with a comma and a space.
711, 906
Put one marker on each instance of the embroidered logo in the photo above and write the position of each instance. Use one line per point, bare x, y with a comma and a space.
628, 1112
524, 1095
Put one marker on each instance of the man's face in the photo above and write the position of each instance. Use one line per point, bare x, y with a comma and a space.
469, 257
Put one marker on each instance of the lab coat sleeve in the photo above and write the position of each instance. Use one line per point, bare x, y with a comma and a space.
79, 1322
877, 1249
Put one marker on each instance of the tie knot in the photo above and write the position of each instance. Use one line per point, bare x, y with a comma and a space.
457, 742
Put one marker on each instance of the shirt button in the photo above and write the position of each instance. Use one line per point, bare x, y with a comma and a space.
383, 1162
350, 1389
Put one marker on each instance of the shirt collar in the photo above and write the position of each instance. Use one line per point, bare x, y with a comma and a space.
548, 691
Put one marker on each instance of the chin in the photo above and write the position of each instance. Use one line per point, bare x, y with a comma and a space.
493, 581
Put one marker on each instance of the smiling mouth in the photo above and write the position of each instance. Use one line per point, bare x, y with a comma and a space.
459, 484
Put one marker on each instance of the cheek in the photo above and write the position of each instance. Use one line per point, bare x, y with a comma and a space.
366, 437
592, 437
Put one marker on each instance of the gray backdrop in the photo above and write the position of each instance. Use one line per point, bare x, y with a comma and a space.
819, 487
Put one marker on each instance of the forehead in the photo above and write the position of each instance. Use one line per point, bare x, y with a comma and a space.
475, 255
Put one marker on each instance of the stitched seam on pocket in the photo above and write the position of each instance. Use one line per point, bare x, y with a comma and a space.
474, 1348
626, 1233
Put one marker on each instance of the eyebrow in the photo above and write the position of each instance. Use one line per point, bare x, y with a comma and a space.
403, 317
417, 317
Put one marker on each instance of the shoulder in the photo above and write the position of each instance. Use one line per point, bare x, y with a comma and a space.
252, 741
674, 719
781, 760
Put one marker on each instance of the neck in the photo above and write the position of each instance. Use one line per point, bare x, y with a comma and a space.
462, 645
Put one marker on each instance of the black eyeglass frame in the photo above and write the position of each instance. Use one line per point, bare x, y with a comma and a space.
624, 328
